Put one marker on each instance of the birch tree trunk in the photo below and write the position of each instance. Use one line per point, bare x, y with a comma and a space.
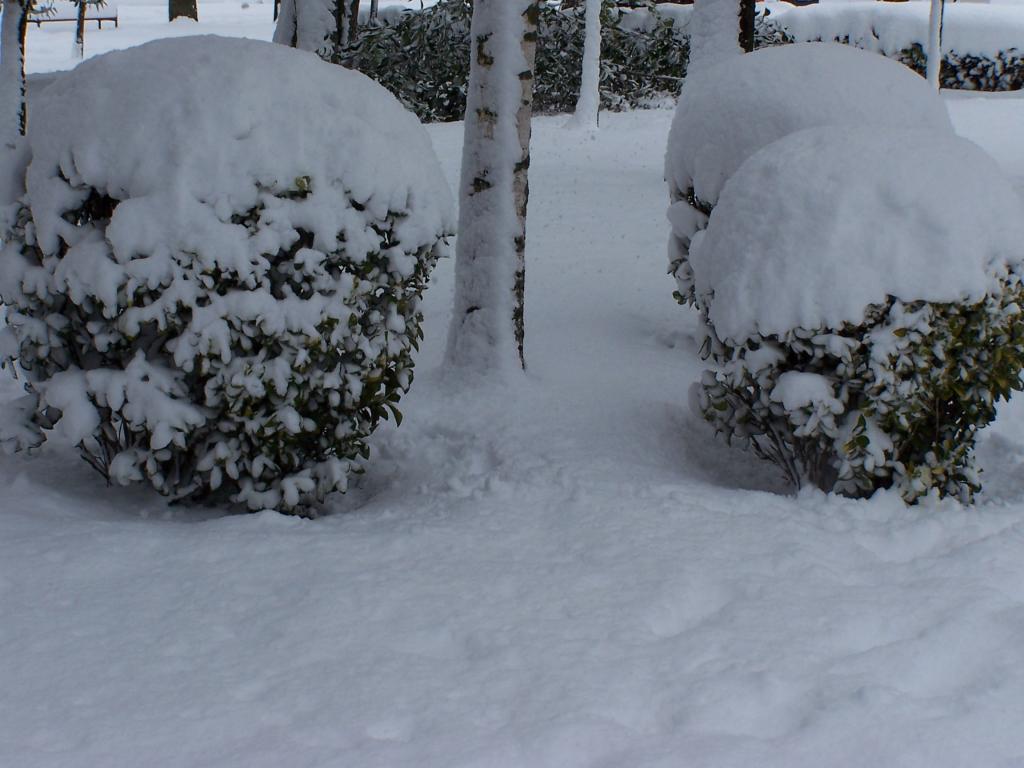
934, 69
316, 25
12, 71
346, 19
13, 104
487, 330
351, 23
80, 30
720, 28
589, 103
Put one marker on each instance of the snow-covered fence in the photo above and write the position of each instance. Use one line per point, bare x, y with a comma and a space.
62, 10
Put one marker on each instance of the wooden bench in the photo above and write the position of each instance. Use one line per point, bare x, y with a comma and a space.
58, 10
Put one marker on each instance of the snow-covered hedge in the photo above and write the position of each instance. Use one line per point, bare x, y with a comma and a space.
730, 110
982, 44
637, 67
645, 50
213, 275
862, 297
643, 57
972, 32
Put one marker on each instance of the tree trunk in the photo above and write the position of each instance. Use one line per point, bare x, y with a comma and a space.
373, 11
286, 31
352, 31
720, 28
747, 18
346, 20
589, 103
12, 71
487, 331
934, 69
320, 26
80, 30
188, 9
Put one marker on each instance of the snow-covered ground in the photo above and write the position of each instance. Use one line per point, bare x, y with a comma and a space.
568, 571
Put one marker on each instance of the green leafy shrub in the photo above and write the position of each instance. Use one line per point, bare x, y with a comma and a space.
962, 71
908, 389
232, 326
863, 326
280, 420
971, 72
637, 67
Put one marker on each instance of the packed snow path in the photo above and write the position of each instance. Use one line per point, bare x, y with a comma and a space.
569, 571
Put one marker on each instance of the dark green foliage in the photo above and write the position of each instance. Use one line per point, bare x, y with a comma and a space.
910, 388
423, 59
281, 416
637, 68
969, 72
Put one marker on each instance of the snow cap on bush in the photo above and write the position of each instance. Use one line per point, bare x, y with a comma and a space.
214, 273
732, 108
817, 226
862, 295
195, 128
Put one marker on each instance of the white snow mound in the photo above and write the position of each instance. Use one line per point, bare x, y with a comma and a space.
737, 105
148, 123
817, 226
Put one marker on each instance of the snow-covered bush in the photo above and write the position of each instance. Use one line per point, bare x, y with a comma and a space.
1000, 71
219, 294
862, 297
729, 110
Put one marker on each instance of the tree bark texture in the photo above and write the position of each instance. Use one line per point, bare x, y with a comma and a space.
747, 17
488, 324
589, 103
320, 26
80, 30
12, 71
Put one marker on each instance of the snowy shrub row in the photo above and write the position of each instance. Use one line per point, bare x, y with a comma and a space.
644, 55
981, 43
640, 64
636, 69
981, 49
218, 299
1002, 71
863, 322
